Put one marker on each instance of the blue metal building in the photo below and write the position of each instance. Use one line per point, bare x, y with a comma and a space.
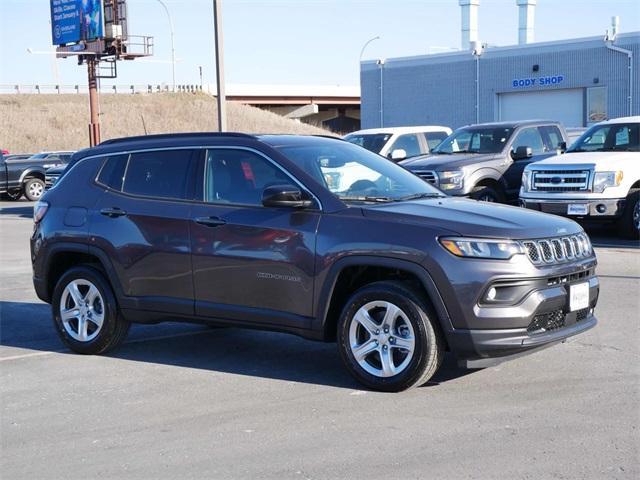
578, 82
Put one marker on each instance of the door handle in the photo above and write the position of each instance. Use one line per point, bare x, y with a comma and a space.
209, 221
112, 212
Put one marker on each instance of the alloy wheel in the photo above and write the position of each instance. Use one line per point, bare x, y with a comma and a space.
35, 189
382, 339
636, 216
82, 310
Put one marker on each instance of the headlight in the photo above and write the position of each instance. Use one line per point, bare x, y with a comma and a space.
602, 180
481, 247
526, 180
451, 180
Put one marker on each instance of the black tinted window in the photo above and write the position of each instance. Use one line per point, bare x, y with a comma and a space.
112, 172
239, 176
164, 174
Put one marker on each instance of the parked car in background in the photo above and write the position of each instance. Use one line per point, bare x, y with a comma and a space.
597, 179
232, 229
52, 174
486, 161
400, 143
26, 176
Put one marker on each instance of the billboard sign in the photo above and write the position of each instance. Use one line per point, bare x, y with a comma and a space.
73, 21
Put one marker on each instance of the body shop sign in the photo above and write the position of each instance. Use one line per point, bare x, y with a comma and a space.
537, 81
75, 20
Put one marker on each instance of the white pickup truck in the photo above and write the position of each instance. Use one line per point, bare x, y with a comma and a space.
598, 178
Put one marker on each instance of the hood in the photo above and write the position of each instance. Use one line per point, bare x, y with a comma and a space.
601, 160
471, 218
447, 162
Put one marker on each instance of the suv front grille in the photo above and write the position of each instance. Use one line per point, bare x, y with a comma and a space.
557, 250
560, 180
427, 175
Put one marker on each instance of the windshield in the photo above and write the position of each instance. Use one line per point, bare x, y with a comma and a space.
354, 174
609, 138
475, 140
374, 142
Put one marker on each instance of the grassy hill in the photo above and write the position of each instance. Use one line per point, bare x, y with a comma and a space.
31, 123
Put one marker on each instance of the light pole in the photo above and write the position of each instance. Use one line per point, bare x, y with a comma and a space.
217, 32
173, 48
477, 51
380, 63
366, 44
201, 84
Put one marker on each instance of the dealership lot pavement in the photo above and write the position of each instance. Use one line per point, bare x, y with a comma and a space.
185, 401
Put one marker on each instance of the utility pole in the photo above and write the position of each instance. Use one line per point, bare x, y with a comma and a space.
94, 126
217, 32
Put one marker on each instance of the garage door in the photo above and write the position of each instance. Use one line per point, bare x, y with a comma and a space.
563, 105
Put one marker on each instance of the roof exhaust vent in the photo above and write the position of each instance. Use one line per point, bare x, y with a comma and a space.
615, 26
526, 14
469, 22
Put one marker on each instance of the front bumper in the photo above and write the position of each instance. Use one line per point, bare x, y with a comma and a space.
604, 209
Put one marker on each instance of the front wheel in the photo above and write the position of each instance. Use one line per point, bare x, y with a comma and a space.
85, 312
33, 189
388, 337
629, 223
487, 194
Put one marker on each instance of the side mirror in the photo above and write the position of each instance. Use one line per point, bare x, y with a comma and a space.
521, 153
562, 146
398, 154
285, 196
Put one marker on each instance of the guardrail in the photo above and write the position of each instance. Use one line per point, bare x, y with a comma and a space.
83, 89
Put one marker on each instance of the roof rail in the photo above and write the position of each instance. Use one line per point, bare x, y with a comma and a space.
160, 136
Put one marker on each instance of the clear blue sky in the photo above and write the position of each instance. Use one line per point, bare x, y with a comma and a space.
293, 41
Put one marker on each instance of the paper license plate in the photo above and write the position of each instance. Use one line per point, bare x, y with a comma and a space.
578, 296
578, 209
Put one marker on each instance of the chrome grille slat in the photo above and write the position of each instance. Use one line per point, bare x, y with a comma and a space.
427, 175
557, 250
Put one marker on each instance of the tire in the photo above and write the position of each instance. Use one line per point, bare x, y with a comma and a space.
629, 223
487, 194
415, 324
102, 305
34, 189
13, 195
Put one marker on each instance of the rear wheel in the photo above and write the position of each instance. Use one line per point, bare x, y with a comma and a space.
629, 224
388, 337
85, 312
34, 189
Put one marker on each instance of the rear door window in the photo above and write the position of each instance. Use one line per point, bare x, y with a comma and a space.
162, 174
112, 173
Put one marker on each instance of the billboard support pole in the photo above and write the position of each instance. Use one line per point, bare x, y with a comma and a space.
94, 126
217, 31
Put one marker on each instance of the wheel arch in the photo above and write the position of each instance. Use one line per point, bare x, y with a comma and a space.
350, 273
32, 173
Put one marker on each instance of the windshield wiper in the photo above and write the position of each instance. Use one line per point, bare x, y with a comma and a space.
366, 198
440, 152
466, 151
416, 196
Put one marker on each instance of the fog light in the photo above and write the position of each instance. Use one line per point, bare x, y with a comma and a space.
491, 294
601, 208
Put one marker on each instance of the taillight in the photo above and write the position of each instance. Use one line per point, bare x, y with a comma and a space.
39, 211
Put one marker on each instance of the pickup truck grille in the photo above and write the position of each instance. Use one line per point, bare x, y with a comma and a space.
428, 176
557, 250
560, 180
50, 180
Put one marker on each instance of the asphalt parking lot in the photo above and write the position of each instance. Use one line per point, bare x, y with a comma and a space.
185, 401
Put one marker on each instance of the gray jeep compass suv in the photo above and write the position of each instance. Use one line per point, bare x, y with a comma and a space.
307, 235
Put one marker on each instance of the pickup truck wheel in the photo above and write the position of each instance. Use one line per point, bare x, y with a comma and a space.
85, 312
487, 194
388, 337
33, 189
629, 223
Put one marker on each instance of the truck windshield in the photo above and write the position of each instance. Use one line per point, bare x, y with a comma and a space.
354, 174
609, 138
374, 142
475, 140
